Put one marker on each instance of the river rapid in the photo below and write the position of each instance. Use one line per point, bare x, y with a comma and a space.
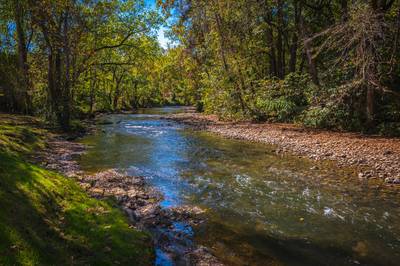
262, 207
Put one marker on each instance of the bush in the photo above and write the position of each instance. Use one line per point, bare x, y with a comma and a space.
388, 117
391, 129
220, 97
317, 117
333, 116
282, 100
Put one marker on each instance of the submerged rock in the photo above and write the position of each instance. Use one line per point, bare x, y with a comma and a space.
171, 227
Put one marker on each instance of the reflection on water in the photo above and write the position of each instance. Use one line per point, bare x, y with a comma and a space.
263, 208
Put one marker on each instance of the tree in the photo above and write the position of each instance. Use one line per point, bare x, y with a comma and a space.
247, 52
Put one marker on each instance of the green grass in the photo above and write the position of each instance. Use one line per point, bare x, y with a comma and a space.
47, 219
21, 134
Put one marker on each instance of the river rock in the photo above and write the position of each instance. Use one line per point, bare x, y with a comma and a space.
391, 180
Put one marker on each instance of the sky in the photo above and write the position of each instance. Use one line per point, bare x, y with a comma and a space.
162, 39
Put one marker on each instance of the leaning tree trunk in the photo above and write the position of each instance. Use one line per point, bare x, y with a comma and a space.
117, 92
92, 97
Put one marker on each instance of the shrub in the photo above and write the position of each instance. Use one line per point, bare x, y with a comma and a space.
391, 129
317, 117
281, 100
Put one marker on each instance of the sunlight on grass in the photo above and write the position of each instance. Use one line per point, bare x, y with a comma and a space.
47, 219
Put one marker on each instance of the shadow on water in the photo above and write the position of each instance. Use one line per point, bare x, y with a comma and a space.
262, 206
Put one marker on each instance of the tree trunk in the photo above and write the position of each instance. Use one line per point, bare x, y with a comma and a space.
65, 83
222, 41
117, 93
279, 42
307, 49
295, 39
51, 83
92, 90
272, 53
370, 105
270, 40
23, 68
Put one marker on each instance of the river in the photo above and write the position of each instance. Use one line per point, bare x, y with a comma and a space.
263, 207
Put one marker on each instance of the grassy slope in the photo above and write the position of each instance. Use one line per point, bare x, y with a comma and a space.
46, 218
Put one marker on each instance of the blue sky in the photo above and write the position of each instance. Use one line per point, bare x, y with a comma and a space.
162, 39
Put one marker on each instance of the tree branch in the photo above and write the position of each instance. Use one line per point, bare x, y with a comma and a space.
116, 45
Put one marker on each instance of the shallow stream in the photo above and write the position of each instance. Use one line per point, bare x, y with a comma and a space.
263, 208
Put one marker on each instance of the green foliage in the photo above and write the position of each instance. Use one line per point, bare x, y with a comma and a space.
282, 100
317, 117
77, 126
219, 97
330, 65
334, 113
83, 56
391, 129
389, 117
249, 61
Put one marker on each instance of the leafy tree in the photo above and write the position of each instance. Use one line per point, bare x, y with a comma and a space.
243, 51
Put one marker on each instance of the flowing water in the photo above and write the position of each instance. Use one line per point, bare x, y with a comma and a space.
263, 208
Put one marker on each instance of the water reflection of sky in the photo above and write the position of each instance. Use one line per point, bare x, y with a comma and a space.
162, 152
252, 191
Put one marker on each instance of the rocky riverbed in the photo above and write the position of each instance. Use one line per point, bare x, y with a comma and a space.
373, 156
171, 228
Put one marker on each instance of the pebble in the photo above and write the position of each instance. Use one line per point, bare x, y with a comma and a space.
391, 180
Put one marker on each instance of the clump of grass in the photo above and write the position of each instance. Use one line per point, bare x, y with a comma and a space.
21, 134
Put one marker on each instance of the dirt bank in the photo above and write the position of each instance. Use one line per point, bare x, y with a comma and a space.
373, 156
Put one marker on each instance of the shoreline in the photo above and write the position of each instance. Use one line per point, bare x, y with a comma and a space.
373, 157
142, 203
170, 227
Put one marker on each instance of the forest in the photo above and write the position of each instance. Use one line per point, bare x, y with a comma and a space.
199, 132
321, 63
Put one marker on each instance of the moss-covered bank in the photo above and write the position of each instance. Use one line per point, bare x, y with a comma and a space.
47, 219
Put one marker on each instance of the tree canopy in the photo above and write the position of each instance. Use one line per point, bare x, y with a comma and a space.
323, 63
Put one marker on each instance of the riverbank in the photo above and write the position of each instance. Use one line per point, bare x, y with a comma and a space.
45, 217
374, 157
170, 228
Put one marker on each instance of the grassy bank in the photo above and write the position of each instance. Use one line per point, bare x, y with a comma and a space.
47, 219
